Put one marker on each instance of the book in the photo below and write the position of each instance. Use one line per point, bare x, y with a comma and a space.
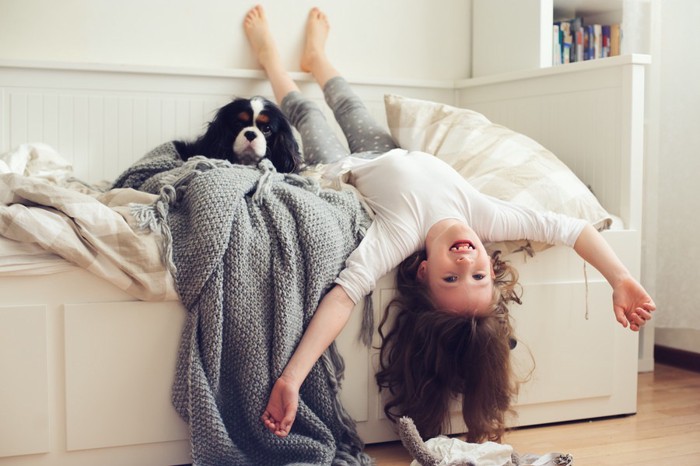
579, 45
566, 41
588, 41
615, 37
556, 45
605, 51
597, 41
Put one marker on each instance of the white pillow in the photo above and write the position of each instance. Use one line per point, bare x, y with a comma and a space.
496, 160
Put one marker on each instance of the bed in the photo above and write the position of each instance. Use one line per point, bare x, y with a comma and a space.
88, 368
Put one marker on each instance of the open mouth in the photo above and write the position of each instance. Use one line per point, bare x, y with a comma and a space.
462, 246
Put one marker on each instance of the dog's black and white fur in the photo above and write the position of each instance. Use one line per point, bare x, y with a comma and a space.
245, 131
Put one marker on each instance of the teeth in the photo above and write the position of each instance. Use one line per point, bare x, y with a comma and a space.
462, 247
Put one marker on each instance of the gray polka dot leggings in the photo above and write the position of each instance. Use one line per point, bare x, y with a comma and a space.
365, 137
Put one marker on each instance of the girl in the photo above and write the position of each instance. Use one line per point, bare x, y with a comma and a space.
451, 317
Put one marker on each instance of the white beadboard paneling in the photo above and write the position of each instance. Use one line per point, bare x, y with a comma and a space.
24, 390
101, 135
65, 128
35, 126
96, 140
17, 124
81, 136
102, 120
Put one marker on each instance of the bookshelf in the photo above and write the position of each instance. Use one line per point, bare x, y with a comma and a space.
513, 35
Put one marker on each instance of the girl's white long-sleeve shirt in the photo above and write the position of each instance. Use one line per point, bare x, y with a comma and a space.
410, 192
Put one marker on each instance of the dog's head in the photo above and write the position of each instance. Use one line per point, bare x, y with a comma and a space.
245, 131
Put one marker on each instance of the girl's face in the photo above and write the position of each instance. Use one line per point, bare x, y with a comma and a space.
458, 269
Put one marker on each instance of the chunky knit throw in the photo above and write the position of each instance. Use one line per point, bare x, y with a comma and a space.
253, 252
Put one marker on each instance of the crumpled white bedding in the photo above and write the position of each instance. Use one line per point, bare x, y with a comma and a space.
43, 162
36, 160
50, 222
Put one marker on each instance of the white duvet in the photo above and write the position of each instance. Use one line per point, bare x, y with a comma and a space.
50, 222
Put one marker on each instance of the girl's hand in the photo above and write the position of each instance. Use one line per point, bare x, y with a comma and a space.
281, 407
632, 304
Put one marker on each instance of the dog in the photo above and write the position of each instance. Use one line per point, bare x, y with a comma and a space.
244, 132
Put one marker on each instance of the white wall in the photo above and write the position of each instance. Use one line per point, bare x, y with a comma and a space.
672, 251
423, 39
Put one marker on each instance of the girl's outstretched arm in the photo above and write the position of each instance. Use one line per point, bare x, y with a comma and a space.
631, 303
331, 316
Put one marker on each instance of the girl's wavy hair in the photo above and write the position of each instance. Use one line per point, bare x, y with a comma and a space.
430, 357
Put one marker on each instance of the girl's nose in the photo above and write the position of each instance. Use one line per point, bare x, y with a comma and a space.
467, 258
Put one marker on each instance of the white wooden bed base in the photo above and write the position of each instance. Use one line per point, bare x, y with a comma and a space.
86, 369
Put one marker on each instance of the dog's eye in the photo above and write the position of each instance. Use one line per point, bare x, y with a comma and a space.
266, 129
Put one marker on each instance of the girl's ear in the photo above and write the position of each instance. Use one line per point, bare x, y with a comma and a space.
422, 271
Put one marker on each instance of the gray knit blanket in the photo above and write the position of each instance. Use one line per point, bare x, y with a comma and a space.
252, 252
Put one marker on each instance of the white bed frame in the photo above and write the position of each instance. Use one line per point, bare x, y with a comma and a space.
87, 370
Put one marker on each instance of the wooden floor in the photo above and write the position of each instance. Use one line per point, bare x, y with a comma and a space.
664, 432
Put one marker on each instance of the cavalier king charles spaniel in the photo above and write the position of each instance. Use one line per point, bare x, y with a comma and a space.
244, 132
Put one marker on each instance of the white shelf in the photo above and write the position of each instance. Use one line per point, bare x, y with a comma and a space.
521, 75
586, 7
513, 36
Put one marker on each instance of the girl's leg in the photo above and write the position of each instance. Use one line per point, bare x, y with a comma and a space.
361, 130
320, 142
320, 145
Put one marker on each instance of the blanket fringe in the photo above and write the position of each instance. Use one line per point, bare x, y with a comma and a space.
367, 329
270, 174
263, 187
154, 218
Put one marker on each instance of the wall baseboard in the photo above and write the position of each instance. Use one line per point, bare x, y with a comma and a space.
676, 357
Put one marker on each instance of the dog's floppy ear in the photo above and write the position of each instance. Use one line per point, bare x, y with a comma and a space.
283, 149
217, 140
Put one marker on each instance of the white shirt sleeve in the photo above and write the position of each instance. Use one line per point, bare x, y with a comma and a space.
496, 220
377, 254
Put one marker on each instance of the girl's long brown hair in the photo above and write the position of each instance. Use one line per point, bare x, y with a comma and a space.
430, 357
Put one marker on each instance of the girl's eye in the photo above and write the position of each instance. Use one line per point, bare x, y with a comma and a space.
450, 279
478, 276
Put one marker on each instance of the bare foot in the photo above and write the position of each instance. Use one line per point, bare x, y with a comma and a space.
258, 32
317, 28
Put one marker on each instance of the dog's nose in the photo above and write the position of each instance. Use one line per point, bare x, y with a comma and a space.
250, 135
